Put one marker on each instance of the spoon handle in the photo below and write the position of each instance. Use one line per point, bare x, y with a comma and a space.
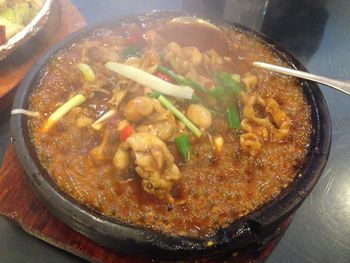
336, 84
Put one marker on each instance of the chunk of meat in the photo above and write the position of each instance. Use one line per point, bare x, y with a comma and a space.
118, 96
150, 61
152, 38
250, 101
280, 118
121, 160
81, 117
138, 108
273, 128
154, 164
93, 52
199, 115
249, 81
250, 143
212, 60
160, 123
182, 59
103, 152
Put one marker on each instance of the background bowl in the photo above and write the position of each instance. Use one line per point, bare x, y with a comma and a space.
252, 230
30, 30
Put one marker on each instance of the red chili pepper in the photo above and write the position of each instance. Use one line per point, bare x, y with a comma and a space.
131, 39
164, 77
126, 132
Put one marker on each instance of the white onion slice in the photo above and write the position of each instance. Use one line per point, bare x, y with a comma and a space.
98, 124
27, 113
150, 81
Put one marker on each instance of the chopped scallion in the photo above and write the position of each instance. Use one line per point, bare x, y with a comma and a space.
61, 111
233, 119
182, 81
87, 71
226, 80
154, 94
149, 80
167, 104
183, 145
218, 92
172, 75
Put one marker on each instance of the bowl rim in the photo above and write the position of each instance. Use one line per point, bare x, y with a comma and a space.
247, 231
28, 31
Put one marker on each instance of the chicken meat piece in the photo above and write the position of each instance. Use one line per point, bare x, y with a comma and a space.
182, 59
212, 60
160, 123
150, 61
103, 152
154, 164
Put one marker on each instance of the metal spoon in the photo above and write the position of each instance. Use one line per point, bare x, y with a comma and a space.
342, 86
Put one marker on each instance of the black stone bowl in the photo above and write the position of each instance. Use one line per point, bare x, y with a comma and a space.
250, 231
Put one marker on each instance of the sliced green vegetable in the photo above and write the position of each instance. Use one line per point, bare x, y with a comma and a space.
188, 82
233, 119
218, 92
183, 145
132, 51
172, 75
87, 71
167, 104
154, 94
194, 84
61, 111
228, 82
224, 80
149, 80
182, 81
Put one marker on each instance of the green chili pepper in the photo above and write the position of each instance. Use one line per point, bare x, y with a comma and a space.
183, 145
233, 118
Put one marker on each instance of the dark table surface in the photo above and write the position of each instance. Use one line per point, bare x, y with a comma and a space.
318, 33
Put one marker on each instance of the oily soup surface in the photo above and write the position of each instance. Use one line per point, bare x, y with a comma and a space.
218, 184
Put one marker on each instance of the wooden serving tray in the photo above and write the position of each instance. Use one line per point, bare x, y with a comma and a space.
64, 19
18, 202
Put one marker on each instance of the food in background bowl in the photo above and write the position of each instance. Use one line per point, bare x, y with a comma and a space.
161, 131
15, 15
